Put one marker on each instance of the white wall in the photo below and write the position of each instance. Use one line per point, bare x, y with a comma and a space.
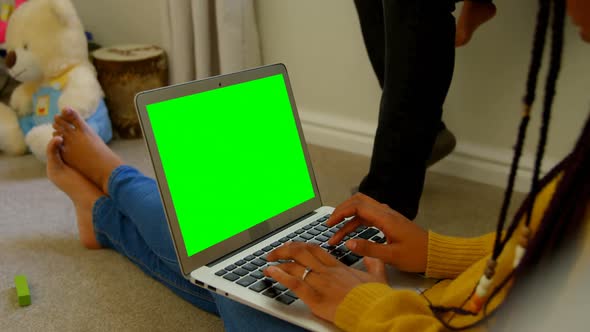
321, 44
338, 95
483, 106
122, 21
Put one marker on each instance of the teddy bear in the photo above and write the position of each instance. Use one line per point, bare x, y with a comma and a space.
47, 52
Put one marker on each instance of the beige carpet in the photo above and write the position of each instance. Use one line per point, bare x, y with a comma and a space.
74, 289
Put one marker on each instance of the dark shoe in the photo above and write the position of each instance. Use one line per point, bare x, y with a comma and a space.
443, 146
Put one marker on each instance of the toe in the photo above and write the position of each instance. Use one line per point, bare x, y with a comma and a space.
58, 129
53, 154
68, 114
65, 126
74, 119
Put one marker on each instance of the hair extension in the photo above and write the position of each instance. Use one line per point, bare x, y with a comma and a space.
551, 176
537, 243
537, 51
554, 68
573, 186
531, 85
551, 80
563, 216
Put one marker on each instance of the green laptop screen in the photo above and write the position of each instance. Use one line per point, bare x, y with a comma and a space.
232, 158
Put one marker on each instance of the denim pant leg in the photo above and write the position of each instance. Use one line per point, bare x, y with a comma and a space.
132, 221
114, 229
239, 317
137, 197
419, 61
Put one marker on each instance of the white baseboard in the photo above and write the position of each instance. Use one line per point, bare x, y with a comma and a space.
469, 161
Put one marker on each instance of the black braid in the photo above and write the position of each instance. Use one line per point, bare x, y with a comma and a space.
510, 187
563, 218
573, 188
554, 67
551, 176
537, 55
538, 241
537, 51
556, 47
531, 85
551, 81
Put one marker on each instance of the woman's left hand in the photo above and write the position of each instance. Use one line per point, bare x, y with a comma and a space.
328, 281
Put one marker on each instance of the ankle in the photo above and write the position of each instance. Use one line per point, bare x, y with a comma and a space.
105, 177
90, 243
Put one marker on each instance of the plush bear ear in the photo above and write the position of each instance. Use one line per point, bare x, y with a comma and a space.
64, 10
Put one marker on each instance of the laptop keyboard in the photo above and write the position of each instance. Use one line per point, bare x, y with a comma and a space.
247, 272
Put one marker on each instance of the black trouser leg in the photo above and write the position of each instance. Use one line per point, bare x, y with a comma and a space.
370, 14
419, 61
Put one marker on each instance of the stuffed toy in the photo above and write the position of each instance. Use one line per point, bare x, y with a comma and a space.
47, 51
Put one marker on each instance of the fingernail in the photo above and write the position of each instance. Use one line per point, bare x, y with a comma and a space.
350, 245
68, 110
271, 269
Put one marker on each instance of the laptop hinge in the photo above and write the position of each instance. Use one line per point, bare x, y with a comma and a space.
261, 239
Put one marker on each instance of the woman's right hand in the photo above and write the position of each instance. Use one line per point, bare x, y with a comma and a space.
407, 243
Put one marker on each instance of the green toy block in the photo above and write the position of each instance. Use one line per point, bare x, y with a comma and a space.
22, 291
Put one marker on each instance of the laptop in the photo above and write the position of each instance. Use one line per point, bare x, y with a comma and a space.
236, 181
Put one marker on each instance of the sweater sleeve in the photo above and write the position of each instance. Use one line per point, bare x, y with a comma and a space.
450, 256
377, 307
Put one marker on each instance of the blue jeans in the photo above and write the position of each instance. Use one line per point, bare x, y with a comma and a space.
131, 221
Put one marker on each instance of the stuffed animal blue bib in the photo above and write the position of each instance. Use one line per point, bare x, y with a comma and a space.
45, 108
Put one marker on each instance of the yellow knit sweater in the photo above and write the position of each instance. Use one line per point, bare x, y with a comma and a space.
462, 261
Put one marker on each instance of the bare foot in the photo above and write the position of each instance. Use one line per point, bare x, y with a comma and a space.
80, 190
84, 150
473, 14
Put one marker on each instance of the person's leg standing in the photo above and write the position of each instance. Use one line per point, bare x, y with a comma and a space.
419, 61
370, 13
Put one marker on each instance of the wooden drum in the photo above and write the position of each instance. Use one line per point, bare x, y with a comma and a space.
123, 71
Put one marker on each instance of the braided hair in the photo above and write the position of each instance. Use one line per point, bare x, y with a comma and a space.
563, 214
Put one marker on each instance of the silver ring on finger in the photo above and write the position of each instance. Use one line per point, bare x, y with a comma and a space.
305, 273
